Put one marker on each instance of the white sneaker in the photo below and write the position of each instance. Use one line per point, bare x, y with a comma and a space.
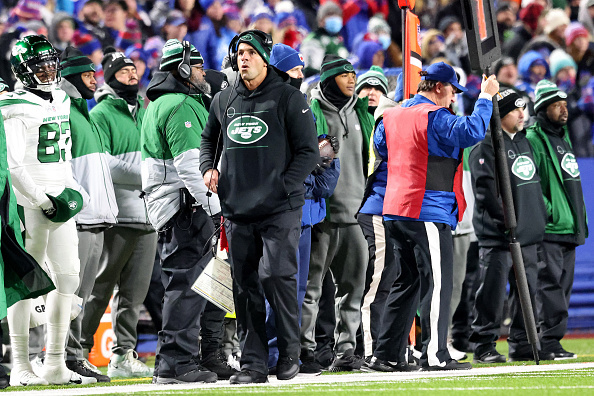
128, 366
232, 361
456, 354
60, 375
37, 366
25, 378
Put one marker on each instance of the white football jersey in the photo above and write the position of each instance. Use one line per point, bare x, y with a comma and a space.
38, 143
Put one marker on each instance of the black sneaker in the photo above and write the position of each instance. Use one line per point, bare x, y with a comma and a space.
489, 357
388, 367
286, 368
562, 354
79, 367
217, 364
452, 364
528, 356
200, 374
246, 376
309, 365
348, 362
4, 378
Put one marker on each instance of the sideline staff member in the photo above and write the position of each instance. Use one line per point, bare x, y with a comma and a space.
425, 142
269, 146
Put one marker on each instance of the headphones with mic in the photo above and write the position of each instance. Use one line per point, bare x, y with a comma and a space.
264, 38
184, 70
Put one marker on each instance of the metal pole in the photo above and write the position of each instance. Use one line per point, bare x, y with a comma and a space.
404, 49
509, 212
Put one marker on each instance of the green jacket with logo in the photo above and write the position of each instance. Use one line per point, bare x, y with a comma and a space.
565, 213
170, 148
90, 165
529, 206
120, 133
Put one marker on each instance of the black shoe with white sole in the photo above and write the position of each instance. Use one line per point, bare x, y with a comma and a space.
450, 365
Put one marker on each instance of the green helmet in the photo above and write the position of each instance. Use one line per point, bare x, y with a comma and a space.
35, 54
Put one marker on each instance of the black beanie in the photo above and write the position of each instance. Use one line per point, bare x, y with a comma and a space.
508, 101
73, 61
333, 66
112, 62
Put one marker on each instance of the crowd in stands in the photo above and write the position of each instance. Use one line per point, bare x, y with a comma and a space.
540, 40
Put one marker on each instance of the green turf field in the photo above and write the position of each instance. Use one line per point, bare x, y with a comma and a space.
577, 381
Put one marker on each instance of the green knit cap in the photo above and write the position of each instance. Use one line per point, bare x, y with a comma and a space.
73, 61
173, 52
333, 66
374, 77
547, 93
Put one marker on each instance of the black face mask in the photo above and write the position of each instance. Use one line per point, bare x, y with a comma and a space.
76, 80
296, 82
127, 92
333, 93
371, 109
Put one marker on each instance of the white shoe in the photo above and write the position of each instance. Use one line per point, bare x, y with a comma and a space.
37, 366
128, 366
456, 354
60, 375
232, 361
26, 378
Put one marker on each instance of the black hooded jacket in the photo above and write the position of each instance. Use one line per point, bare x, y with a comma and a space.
529, 205
268, 147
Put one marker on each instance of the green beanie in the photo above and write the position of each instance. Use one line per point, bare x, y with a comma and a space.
333, 66
546, 93
374, 77
173, 52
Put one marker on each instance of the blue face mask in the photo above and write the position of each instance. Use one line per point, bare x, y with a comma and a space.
384, 40
333, 24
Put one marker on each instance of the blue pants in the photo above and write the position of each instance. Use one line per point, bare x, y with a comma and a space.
302, 271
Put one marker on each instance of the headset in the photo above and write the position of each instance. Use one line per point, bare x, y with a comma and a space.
183, 69
265, 40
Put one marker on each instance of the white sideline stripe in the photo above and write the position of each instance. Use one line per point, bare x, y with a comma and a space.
325, 379
380, 260
435, 257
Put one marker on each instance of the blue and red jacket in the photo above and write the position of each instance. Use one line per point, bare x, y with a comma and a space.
424, 143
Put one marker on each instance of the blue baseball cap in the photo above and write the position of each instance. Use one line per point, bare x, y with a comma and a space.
444, 73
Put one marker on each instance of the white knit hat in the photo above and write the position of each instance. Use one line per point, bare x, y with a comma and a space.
555, 18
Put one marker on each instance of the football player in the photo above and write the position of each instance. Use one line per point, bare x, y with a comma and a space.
36, 120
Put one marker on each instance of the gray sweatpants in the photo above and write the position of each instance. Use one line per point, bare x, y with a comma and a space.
126, 262
341, 247
90, 246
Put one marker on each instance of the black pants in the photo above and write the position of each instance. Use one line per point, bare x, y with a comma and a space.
423, 251
263, 258
378, 280
495, 271
556, 265
181, 249
463, 316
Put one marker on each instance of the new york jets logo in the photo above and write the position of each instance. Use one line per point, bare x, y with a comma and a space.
72, 205
523, 167
247, 130
570, 165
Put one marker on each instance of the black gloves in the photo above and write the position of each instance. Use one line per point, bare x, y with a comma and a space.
323, 164
334, 143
